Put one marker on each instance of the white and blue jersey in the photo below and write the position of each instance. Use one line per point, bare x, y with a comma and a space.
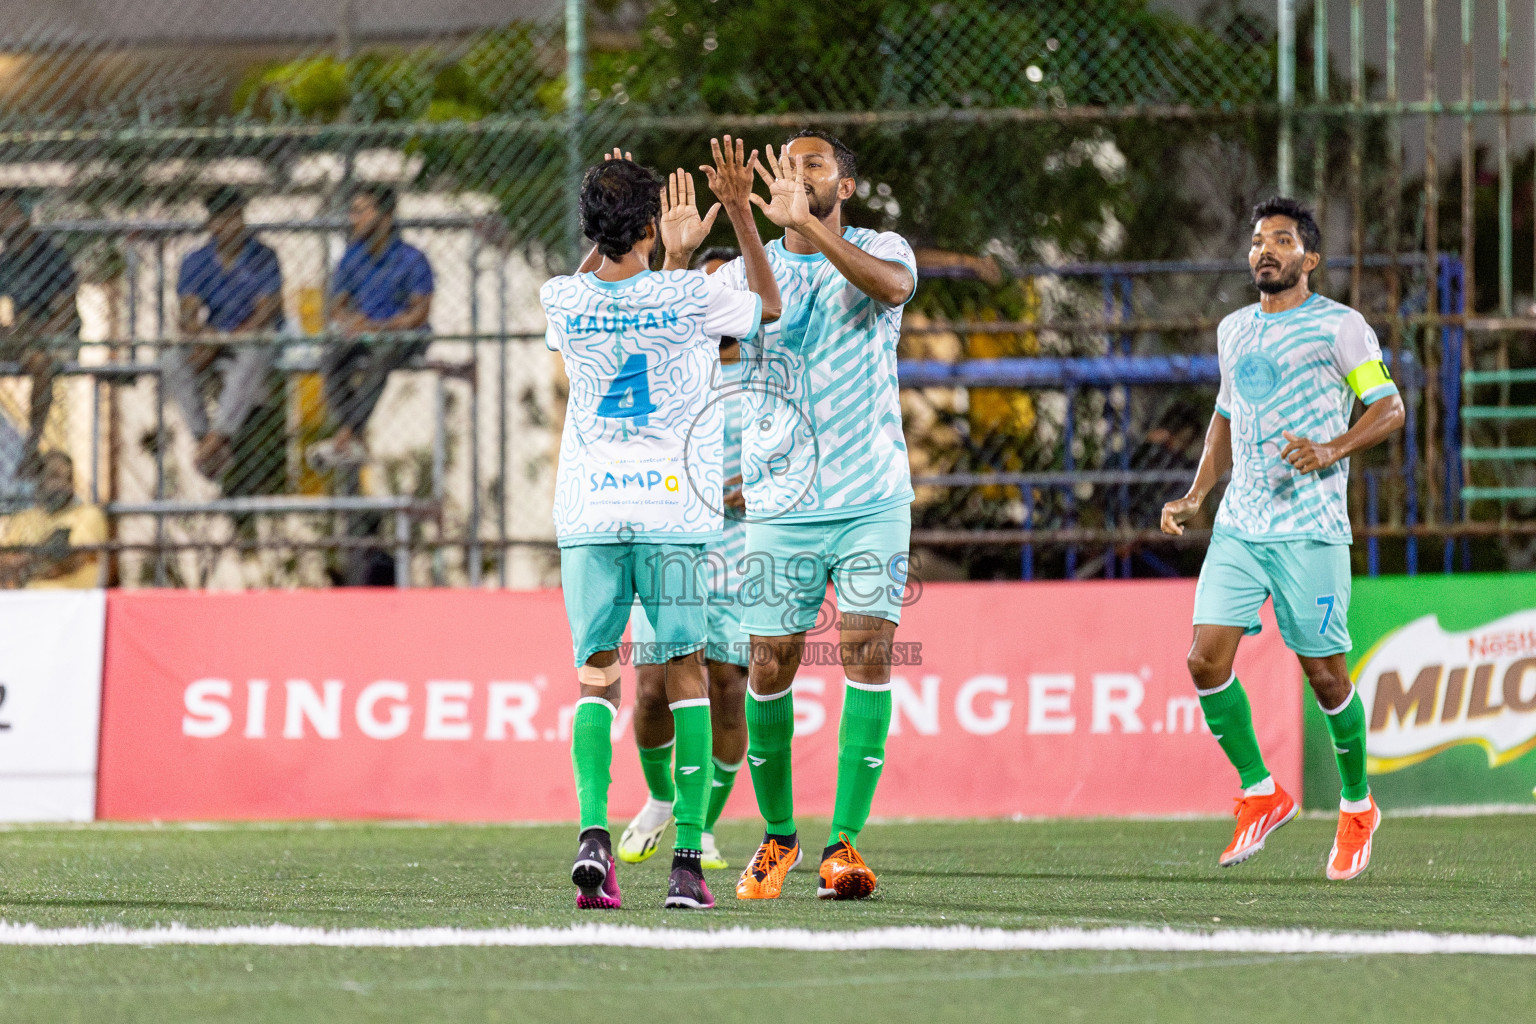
640, 455
821, 404
733, 539
1300, 371
723, 568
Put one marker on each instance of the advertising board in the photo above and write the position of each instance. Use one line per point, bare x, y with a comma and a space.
1446, 668
1010, 699
50, 693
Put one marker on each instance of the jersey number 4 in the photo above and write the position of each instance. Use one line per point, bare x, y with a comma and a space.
629, 396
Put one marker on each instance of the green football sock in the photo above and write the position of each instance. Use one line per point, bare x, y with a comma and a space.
656, 764
1231, 720
770, 727
720, 791
592, 757
860, 757
1346, 724
694, 769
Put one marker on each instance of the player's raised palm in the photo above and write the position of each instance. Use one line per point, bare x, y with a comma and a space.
791, 204
682, 229
730, 179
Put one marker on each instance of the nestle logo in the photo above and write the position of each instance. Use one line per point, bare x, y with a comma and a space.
1503, 644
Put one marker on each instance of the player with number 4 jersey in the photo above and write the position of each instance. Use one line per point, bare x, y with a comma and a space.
1292, 367
725, 651
637, 495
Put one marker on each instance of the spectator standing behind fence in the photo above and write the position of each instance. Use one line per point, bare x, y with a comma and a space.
230, 286
52, 529
37, 304
382, 285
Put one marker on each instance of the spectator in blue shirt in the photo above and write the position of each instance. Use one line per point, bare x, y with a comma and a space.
37, 289
382, 285
230, 286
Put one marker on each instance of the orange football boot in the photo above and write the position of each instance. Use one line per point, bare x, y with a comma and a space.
844, 875
763, 878
1257, 817
1351, 851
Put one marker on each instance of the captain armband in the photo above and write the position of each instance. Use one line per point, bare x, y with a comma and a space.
1370, 381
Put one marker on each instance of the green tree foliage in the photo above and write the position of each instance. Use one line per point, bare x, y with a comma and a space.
916, 88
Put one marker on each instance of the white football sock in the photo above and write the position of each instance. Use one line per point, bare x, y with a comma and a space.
1265, 788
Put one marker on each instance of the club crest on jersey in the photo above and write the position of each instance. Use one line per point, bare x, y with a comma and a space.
1256, 376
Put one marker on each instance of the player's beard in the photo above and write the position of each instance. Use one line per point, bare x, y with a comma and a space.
822, 203
1284, 280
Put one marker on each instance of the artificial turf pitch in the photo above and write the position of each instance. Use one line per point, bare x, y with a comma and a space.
1470, 875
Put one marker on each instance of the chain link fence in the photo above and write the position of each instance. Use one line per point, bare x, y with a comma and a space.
1075, 177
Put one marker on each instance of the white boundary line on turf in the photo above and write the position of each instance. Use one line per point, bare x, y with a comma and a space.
1155, 940
1460, 810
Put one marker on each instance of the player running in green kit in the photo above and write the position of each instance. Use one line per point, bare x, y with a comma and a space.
1292, 366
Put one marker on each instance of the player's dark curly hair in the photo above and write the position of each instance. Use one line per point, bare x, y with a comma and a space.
847, 163
618, 199
1306, 224
723, 253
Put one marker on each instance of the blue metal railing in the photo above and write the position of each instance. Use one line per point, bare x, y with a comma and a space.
1126, 371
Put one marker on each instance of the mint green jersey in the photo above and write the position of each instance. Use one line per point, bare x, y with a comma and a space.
1301, 371
822, 437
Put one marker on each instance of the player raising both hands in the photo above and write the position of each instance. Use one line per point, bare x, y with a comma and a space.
828, 490
638, 492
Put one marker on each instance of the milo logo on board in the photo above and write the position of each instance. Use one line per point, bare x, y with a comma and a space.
1426, 689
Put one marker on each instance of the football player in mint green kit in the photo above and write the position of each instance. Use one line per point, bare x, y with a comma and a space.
638, 492
1292, 366
828, 493
725, 652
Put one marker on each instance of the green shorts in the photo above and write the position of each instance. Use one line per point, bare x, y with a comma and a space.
602, 581
1309, 581
787, 566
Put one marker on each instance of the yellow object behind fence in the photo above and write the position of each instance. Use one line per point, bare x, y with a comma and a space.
307, 404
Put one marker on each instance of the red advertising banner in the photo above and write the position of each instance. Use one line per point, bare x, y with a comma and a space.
1015, 699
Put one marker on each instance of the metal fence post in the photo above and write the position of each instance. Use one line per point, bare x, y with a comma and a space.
1411, 473
1126, 313
402, 549
502, 466
472, 553
160, 572
439, 466
575, 112
1506, 182
1069, 463
1286, 19
1453, 301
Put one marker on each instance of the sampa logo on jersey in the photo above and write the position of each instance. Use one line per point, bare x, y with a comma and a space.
642, 480
1427, 689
